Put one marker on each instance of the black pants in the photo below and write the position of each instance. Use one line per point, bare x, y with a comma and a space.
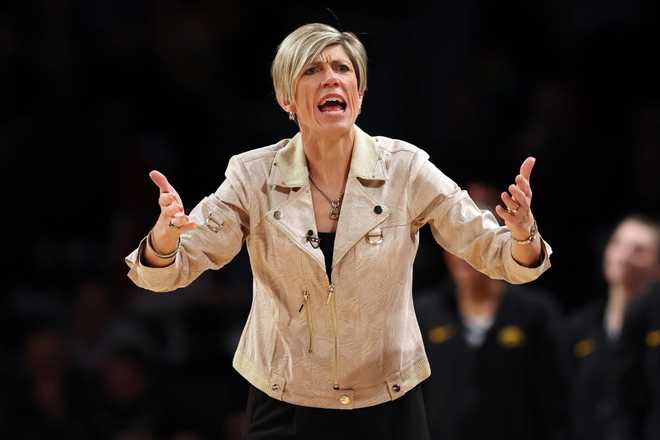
400, 419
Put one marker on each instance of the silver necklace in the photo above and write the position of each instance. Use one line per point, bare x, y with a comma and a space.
335, 205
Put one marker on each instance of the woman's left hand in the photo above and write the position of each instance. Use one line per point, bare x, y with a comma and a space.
518, 201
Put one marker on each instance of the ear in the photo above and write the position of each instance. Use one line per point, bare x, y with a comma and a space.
360, 98
286, 106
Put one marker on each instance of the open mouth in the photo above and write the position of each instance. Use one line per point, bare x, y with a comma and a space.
332, 104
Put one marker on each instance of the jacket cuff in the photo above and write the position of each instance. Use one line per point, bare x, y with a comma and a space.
152, 278
519, 274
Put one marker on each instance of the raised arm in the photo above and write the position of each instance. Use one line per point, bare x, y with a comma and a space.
472, 234
181, 247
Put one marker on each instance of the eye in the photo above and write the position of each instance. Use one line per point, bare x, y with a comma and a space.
344, 68
310, 71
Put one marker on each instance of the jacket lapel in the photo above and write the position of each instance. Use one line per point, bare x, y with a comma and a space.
294, 218
362, 208
358, 216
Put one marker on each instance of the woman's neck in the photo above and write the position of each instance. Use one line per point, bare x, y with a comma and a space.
328, 158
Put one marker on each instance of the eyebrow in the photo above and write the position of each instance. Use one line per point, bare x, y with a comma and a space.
340, 60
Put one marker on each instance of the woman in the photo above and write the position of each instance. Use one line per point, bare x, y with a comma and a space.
638, 381
631, 263
331, 220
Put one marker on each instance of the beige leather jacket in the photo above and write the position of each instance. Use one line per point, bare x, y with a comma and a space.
355, 342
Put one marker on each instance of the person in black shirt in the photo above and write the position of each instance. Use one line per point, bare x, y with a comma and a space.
639, 372
630, 265
495, 357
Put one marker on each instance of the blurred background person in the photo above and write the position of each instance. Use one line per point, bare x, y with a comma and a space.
49, 399
630, 265
638, 376
495, 357
127, 408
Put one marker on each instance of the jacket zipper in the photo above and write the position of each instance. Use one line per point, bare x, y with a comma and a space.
333, 310
308, 316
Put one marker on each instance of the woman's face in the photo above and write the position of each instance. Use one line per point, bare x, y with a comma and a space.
326, 96
631, 256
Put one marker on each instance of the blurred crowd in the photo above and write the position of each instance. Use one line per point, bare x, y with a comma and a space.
507, 364
96, 93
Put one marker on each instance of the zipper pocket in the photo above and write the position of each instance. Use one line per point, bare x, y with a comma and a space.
308, 317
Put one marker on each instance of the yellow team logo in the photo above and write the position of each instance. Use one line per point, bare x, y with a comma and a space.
438, 335
653, 338
511, 336
584, 348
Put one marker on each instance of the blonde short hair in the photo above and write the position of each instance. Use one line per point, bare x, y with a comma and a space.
305, 44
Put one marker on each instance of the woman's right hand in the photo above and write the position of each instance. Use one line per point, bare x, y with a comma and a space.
172, 221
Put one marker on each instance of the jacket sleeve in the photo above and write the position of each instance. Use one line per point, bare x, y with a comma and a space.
461, 228
224, 223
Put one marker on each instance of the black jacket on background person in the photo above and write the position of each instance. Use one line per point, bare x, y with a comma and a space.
511, 387
593, 359
638, 381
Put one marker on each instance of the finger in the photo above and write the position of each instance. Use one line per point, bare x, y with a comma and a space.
189, 227
519, 197
183, 222
523, 184
161, 181
509, 202
164, 185
166, 199
504, 214
172, 210
526, 168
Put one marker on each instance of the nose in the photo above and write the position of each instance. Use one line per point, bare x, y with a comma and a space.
330, 79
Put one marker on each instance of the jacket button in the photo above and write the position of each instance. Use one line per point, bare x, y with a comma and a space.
378, 209
310, 233
344, 399
396, 387
277, 215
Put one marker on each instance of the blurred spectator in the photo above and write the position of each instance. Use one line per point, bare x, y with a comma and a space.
91, 315
630, 264
495, 355
49, 399
128, 409
639, 369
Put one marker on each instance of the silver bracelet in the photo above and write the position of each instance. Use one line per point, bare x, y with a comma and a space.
159, 255
532, 235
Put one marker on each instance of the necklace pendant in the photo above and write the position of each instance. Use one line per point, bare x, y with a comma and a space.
334, 212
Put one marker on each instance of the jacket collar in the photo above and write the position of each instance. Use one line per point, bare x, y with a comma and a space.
289, 169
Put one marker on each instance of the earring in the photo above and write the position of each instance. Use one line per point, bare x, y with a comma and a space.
292, 116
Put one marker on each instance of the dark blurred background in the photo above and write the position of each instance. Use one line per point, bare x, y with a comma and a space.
96, 93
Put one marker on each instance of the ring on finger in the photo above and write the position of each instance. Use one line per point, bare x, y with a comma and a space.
513, 210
